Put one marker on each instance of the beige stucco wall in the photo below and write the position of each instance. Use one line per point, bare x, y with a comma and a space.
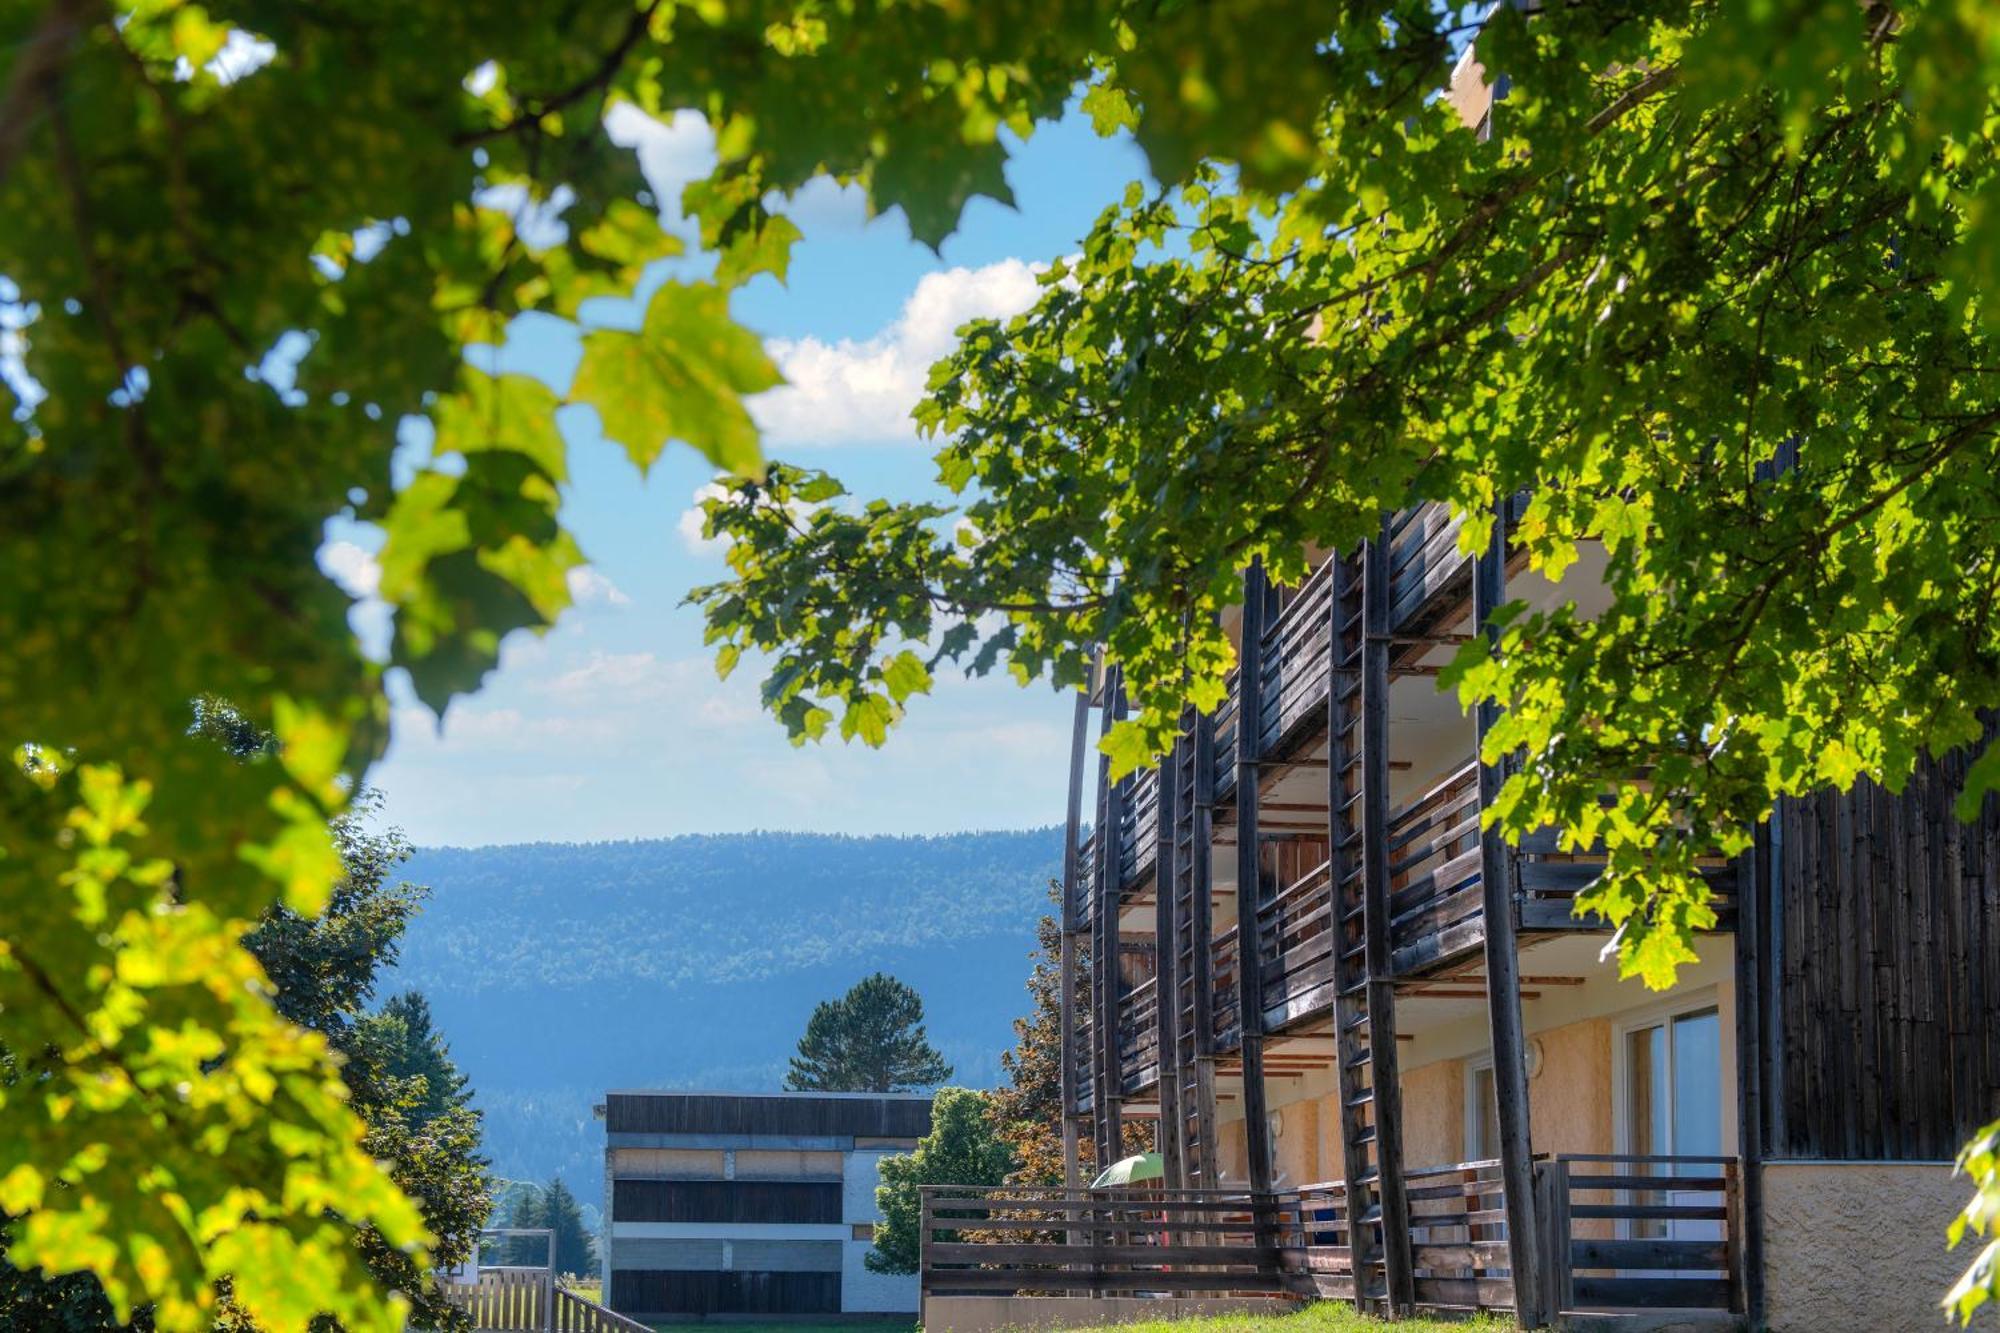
1295, 1152
1434, 1114
1569, 1097
1858, 1245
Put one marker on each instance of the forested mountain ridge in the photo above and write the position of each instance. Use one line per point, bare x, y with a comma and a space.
557, 970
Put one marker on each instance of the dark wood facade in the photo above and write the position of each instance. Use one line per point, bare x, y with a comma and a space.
1883, 971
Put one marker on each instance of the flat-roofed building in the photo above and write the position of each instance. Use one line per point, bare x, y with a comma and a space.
751, 1203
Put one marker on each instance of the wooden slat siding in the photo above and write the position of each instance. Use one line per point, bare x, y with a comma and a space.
727, 1201
792, 1114
1249, 975
1882, 982
1503, 988
651, 1292
1072, 923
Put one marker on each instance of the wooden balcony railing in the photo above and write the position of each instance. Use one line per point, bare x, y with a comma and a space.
1139, 1035
1619, 1232
1295, 935
1629, 1231
983, 1242
1435, 896
1226, 1003
1458, 1236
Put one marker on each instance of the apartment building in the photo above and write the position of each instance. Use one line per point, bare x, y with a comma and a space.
750, 1203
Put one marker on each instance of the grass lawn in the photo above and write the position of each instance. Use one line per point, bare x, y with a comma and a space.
731, 1326
1324, 1317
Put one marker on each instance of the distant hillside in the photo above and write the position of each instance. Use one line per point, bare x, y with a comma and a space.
557, 971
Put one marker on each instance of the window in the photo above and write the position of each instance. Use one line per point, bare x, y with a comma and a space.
1672, 1103
1482, 1112
864, 1231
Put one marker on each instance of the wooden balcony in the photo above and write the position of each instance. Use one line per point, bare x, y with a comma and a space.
1619, 1232
1139, 1036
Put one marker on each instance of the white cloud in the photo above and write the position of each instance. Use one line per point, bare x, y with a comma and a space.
353, 568
587, 586
671, 153
692, 519
862, 391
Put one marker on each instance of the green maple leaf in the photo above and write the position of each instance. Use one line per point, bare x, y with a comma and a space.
681, 376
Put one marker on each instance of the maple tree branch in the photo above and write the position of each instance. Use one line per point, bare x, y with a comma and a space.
37, 69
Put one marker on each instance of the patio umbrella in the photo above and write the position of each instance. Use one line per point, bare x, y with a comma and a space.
1130, 1171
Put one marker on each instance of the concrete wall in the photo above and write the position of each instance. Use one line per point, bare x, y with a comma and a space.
863, 1292
992, 1314
1858, 1245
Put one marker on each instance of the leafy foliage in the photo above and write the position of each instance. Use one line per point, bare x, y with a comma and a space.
325, 971
1708, 286
1702, 229
963, 1148
869, 1040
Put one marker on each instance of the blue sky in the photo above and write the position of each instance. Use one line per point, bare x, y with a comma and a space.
614, 725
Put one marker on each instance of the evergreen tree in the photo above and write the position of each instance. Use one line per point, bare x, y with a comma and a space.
963, 1148
869, 1040
1027, 1109
576, 1248
413, 1049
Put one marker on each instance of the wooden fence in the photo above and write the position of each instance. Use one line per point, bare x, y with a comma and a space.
526, 1300
1619, 1232
1111, 1242
1635, 1232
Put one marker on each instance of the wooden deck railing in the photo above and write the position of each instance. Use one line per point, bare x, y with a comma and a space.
1139, 1035
1435, 895
506, 1300
1458, 1236
529, 1300
1226, 1004
579, 1314
1111, 1242
1642, 1232
1295, 936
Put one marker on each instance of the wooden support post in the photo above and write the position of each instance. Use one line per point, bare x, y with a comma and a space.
1201, 904
1503, 973
1385, 1074
1166, 976
1249, 944
1747, 1235
1107, 977
1071, 923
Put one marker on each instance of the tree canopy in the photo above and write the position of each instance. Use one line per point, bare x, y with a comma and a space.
964, 1147
869, 1040
246, 247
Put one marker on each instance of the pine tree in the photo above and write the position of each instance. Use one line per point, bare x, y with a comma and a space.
869, 1040
412, 1048
576, 1248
